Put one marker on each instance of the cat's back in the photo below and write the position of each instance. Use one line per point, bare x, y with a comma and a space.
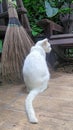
35, 65
35, 70
34, 60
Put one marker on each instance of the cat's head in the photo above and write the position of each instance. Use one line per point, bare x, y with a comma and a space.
45, 45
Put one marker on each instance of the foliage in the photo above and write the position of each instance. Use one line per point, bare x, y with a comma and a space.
69, 52
14, 3
59, 3
62, 5
36, 30
37, 10
57, 7
50, 11
0, 45
0, 1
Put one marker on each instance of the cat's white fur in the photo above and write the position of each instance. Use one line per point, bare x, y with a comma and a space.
36, 75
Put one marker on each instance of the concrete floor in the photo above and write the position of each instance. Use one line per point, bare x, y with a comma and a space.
54, 107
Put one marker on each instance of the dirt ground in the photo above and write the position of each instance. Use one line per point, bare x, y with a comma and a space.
54, 107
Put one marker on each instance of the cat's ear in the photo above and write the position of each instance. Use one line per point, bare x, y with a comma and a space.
44, 42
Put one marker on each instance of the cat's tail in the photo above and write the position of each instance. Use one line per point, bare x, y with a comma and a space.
29, 107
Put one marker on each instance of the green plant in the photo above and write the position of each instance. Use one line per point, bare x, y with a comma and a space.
0, 1
14, 3
0, 45
50, 11
36, 30
35, 12
55, 7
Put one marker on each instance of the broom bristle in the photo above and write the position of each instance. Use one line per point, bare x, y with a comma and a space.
16, 46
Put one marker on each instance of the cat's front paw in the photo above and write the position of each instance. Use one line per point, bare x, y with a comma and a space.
33, 120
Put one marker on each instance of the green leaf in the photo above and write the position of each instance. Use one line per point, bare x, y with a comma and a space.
0, 1
0, 45
50, 11
34, 33
14, 2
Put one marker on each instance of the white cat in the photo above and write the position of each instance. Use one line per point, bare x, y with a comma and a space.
36, 75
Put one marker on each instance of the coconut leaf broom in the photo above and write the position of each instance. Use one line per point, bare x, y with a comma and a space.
17, 44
